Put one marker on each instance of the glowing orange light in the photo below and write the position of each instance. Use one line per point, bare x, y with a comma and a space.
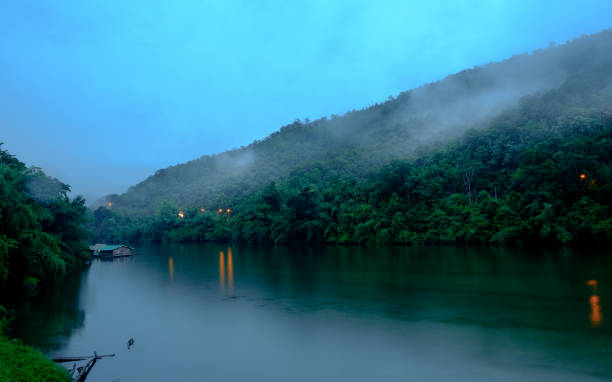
595, 315
181, 215
582, 176
171, 268
202, 209
220, 210
221, 271
110, 204
228, 210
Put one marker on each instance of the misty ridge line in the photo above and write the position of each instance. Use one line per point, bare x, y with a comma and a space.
394, 129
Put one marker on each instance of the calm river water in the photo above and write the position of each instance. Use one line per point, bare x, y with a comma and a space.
220, 313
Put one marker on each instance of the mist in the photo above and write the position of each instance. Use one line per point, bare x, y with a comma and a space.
42, 188
102, 98
235, 161
360, 142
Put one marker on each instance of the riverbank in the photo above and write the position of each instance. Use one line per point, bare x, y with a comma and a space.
19, 362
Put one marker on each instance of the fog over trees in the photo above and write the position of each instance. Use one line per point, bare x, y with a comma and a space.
501, 146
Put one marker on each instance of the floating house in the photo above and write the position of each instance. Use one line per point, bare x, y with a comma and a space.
110, 251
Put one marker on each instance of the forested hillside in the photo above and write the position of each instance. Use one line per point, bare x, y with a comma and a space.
362, 141
41, 228
510, 152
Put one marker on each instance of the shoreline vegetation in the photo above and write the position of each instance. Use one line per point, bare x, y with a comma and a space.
42, 237
42, 232
21, 363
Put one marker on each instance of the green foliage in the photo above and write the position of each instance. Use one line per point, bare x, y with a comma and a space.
539, 172
41, 228
20, 363
360, 142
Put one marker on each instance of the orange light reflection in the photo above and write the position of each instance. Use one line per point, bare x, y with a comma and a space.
230, 271
595, 315
221, 271
171, 268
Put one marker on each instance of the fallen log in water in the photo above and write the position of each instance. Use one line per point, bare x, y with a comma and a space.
81, 358
82, 371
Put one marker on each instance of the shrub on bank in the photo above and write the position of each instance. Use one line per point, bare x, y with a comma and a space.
21, 363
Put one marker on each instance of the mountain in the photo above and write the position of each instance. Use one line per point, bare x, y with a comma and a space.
362, 141
446, 162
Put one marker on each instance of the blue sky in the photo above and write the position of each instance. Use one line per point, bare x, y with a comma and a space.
102, 93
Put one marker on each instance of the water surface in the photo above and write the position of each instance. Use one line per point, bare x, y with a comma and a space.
220, 313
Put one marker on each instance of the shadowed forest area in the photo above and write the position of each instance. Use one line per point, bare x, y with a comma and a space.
42, 233
42, 238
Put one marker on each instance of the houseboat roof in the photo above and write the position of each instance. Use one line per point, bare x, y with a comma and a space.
112, 247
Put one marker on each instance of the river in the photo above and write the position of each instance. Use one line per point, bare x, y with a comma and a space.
231, 313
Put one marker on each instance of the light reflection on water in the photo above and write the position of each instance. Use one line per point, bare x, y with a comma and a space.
229, 274
230, 271
221, 271
171, 268
595, 313
333, 314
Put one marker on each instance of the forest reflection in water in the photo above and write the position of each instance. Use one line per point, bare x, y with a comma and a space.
509, 314
46, 319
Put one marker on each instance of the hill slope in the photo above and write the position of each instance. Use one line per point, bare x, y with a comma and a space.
361, 142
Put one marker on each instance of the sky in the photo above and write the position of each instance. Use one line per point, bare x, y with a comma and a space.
100, 94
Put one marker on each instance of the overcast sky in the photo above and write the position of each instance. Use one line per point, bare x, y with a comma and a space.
102, 93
